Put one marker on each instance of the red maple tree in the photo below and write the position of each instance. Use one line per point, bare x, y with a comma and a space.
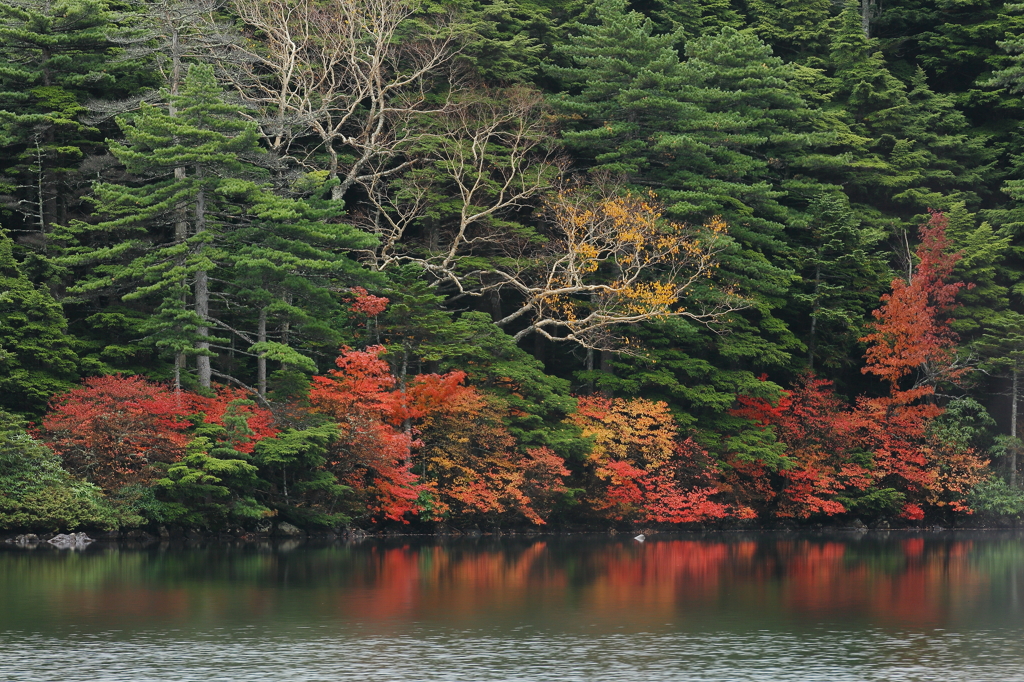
112, 429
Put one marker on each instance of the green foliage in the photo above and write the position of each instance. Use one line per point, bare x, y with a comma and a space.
965, 424
797, 30
211, 485
688, 19
286, 259
874, 502
911, 147
168, 232
37, 494
841, 277
37, 357
294, 474
54, 56
995, 497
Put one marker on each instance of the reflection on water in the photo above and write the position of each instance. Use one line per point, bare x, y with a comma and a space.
855, 607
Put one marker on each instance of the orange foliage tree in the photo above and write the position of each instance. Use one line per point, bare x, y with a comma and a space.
433, 448
638, 468
912, 347
474, 467
823, 457
835, 455
372, 453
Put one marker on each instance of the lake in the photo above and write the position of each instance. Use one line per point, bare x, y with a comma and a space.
895, 606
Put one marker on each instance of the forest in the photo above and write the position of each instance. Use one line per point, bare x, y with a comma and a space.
510, 264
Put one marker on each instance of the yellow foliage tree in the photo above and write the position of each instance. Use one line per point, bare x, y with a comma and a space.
613, 261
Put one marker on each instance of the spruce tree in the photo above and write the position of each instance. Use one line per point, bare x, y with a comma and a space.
689, 19
54, 56
287, 266
37, 357
910, 147
797, 30
840, 272
621, 86
147, 248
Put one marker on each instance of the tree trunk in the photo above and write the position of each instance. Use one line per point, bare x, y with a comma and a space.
202, 296
812, 341
1013, 426
407, 423
539, 347
181, 220
590, 368
606, 367
332, 173
261, 359
286, 326
866, 6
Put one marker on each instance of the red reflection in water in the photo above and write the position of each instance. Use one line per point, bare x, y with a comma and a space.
906, 584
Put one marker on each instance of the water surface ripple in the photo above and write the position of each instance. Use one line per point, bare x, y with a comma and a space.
901, 608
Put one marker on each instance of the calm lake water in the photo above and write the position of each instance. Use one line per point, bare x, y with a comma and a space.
893, 607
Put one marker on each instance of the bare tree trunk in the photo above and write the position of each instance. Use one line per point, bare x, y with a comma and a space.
261, 359
866, 7
407, 424
337, 192
286, 326
180, 235
590, 368
1013, 426
181, 223
539, 347
202, 302
811, 342
606, 367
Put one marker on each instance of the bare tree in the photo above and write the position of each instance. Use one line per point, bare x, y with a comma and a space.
611, 261
602, 261
485, 159
351, 73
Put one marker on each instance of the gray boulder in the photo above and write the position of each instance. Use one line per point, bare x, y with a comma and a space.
70, 541
285, 528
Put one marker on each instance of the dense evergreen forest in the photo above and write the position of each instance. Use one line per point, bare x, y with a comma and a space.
507, 263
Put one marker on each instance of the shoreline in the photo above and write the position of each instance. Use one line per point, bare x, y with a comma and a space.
32, 541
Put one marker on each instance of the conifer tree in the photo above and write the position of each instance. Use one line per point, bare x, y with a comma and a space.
840, 271
53, 57
622, 84
688, 19
910, 146
286, 263
37, 357
797, 30
146, 247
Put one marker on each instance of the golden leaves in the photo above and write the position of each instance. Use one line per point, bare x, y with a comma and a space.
616, 259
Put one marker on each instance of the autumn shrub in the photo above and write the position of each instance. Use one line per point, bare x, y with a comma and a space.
432, 449
113, 430
474, 469
162, 455
639, 469
819, 458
